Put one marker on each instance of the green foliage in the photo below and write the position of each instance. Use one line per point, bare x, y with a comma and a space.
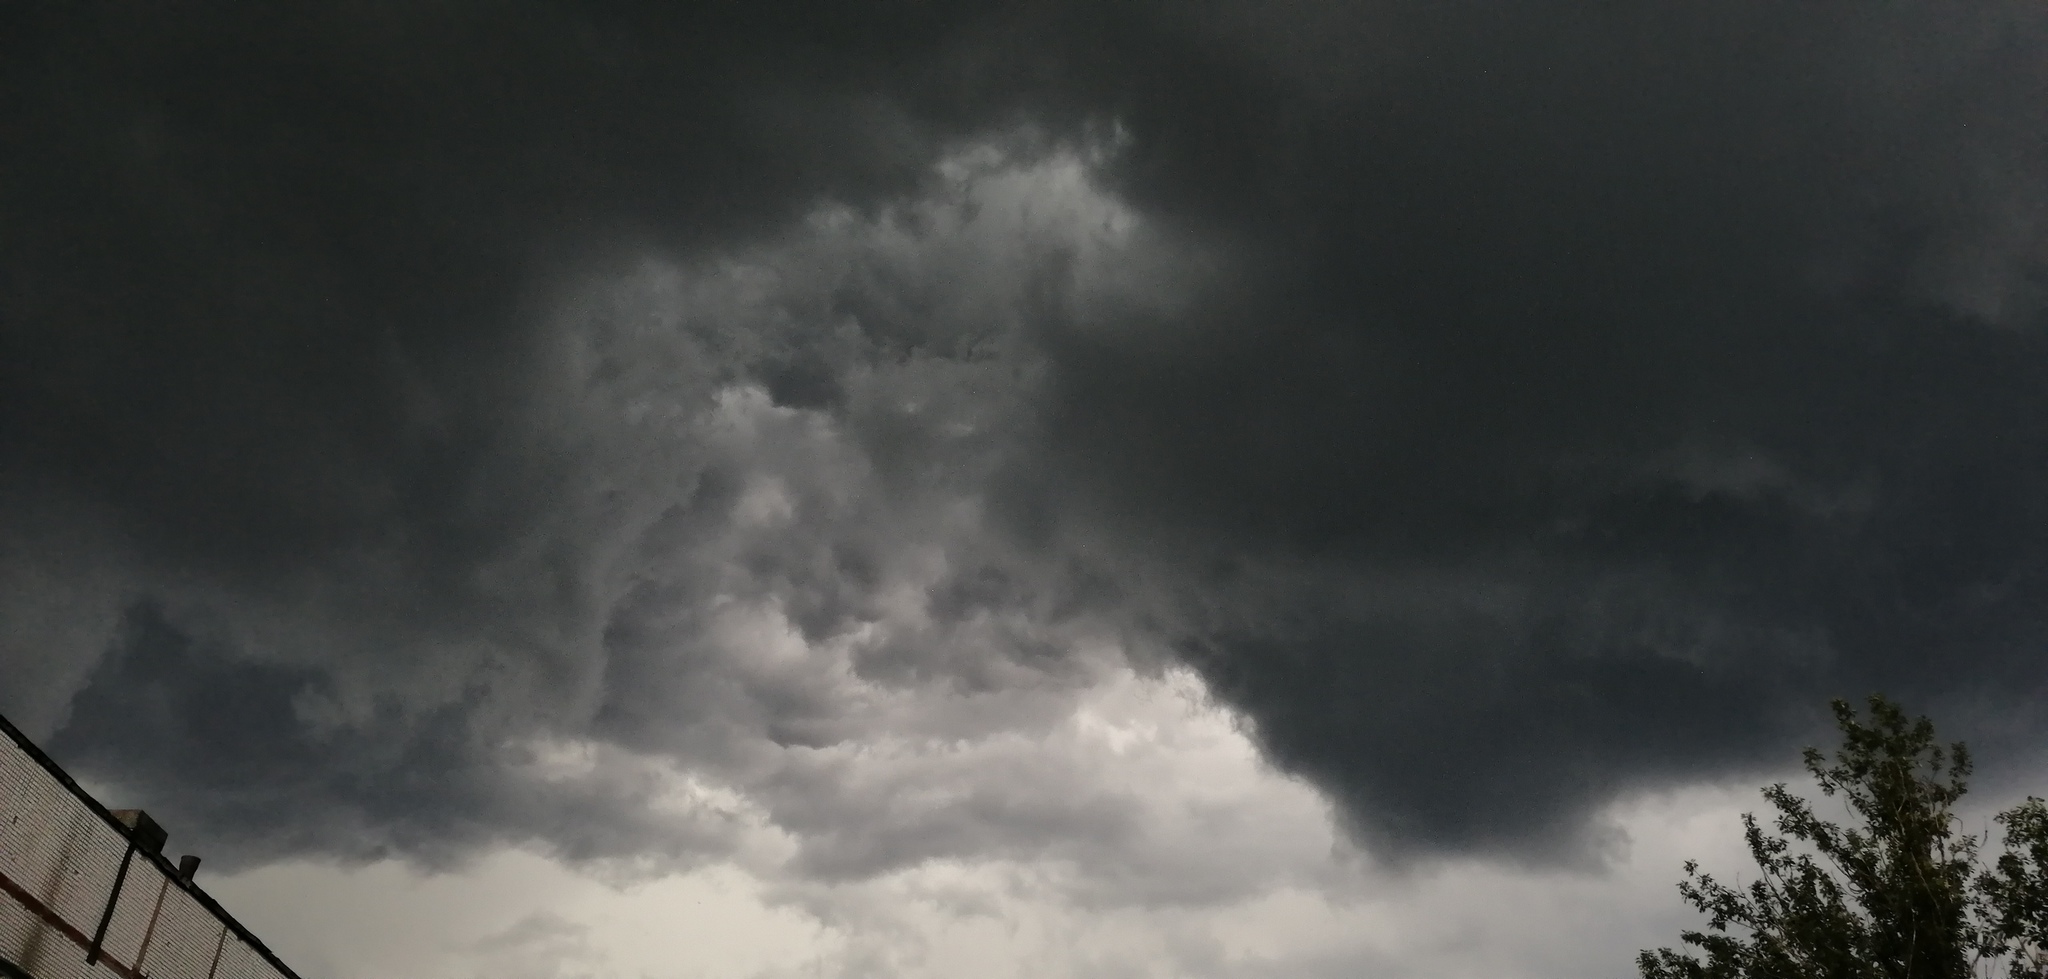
1899, 894
2015, 893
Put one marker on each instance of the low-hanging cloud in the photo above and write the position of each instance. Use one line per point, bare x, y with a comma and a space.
1504, 409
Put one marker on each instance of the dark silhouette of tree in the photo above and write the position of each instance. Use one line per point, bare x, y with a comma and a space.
1897, 894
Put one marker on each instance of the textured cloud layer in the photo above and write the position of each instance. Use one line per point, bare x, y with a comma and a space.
800, 600
1612, 385
426, 427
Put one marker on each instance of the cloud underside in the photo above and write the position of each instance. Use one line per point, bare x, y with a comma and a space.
639, 431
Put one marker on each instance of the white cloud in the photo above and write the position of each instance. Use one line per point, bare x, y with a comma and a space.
1221, 869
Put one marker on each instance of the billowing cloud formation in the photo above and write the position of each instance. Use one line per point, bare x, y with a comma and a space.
431, 427
717, 580
1624, 383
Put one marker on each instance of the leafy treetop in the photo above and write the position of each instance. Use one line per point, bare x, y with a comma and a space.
1897, 894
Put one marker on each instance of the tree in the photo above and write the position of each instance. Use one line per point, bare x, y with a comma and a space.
1899, 894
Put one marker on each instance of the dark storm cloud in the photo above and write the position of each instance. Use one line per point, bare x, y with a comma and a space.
284, 371
268, 271
629, 555
1614, 384
1523, 403
226, 747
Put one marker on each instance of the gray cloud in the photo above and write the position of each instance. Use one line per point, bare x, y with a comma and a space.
718, 584
1605, 389
1504, 409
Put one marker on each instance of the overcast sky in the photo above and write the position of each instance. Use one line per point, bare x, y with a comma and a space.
1212, 488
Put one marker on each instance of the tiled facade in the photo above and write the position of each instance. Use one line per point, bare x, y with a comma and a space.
61, 855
